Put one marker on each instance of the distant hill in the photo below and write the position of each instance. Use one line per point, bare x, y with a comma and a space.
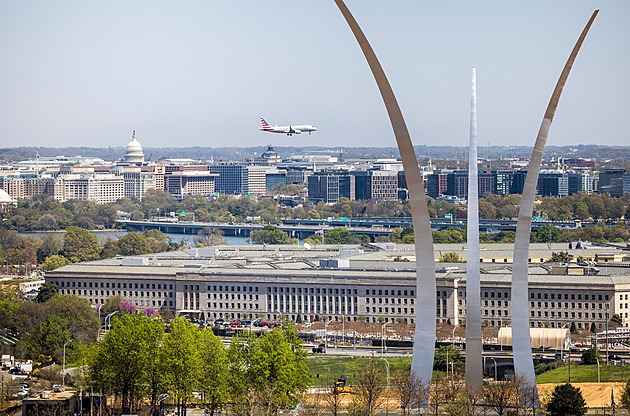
597, 152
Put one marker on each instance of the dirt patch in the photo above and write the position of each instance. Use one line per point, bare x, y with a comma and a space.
595, 394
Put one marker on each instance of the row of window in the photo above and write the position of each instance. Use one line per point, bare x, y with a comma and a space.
119, 285
566, 305
566, 296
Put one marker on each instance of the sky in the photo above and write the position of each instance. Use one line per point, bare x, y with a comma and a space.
203, 72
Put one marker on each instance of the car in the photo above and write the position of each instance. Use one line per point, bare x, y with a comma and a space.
614, 357
320, 349
560, 356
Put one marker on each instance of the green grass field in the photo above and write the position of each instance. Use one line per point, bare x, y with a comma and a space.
330, 368
585, 374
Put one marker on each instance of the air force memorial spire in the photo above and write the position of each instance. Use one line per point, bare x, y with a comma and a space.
521, 344
424, 344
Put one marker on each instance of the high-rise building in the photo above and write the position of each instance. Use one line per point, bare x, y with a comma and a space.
190, 182
98, 188
437, 183
580, 182
328, 187
256, 180
376, 185
553, 183
611, 181
233, 178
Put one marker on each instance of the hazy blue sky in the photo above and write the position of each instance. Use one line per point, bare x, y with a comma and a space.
201, 73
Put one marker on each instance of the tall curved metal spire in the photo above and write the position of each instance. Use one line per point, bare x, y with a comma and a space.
523, 364
424, 345
474, 371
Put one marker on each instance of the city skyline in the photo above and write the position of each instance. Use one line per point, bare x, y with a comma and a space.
203, 74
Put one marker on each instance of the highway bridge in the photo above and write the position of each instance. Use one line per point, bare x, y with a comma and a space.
372, 227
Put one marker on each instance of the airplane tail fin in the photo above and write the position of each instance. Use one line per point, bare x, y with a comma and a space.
265, 125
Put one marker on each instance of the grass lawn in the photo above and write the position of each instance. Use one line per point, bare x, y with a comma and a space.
585, 373
332, 367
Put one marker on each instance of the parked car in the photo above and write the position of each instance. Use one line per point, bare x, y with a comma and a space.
560, 356
320, 349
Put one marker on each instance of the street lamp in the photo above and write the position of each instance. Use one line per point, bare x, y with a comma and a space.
453, 336
495, 368
387, 364
108, 320
383, 346
63, 369
598, 378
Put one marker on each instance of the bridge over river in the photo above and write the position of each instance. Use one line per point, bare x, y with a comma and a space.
372, 227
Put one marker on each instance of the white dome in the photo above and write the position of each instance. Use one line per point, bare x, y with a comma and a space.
134, 153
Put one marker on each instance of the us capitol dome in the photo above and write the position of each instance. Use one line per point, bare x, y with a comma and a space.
134, 154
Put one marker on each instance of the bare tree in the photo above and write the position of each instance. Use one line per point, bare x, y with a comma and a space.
209, 237
334, 399
370, 390
503, 395
409, 390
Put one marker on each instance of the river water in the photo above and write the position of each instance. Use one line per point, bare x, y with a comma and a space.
115, 234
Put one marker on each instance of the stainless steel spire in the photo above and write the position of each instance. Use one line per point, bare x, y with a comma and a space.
523, 364
474, 371
424, 345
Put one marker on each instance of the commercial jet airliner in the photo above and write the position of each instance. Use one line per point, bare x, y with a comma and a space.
288, 130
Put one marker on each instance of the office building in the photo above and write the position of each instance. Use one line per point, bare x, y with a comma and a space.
190, 182
364, 285
233, 178
553, 183
611, 181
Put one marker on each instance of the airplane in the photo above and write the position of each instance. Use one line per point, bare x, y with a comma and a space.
288, 130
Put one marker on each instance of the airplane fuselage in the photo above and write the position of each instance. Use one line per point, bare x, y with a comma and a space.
288, 130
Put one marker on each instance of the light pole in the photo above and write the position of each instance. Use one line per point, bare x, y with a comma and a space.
607, 307
387, 364
63, 368
598, 378
108, 319
495, 368
383, 347
453, 336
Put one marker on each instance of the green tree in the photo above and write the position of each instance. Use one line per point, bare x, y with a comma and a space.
445, 356
341, 235
80, 245
133, 244
270, 234
54, 261
214, 372
546, 234
591, 356
46, 292
616, 319
112, 303
451, 257
121, 363
181, 355
566, 400
560, 257
50, 245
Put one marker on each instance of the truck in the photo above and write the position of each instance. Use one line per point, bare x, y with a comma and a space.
341, 385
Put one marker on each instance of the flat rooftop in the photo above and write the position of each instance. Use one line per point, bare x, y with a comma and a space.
368, 263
